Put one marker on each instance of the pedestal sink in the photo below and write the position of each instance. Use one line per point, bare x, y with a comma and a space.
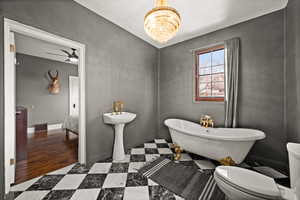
119, 121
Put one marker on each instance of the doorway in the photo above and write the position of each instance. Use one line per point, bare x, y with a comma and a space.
73, 95
11, 28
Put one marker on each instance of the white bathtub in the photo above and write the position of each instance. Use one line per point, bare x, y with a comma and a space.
213, 143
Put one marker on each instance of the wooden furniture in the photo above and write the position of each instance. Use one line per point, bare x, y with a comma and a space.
71, 125
69, 130
21, 133
40, 128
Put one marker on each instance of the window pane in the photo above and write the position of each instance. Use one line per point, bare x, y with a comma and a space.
217, 69
205, 79
205, 71
218, 78
218, 57
218, 89
205, 60
205, 89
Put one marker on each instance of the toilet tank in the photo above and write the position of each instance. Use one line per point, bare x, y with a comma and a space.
294, 163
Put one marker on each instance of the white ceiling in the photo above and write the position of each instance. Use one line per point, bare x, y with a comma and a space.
198, 16
39, 48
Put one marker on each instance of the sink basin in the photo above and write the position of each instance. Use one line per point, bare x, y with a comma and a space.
123, 118
119, 122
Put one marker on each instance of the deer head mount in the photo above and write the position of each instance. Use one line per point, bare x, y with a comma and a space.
54, 86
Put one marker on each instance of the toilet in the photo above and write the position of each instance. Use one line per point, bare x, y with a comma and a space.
239, 183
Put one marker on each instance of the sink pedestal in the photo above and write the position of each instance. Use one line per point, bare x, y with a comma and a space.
119, 153
118, 121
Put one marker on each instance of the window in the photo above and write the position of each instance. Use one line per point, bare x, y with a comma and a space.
209, 74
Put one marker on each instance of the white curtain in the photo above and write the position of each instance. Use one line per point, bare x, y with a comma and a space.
232, 59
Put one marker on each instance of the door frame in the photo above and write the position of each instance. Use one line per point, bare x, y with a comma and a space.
9, 106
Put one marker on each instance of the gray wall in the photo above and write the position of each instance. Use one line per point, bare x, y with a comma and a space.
32, 89
119, 66
293, 71
260, 88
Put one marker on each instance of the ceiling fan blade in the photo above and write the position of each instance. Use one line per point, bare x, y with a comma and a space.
55, 54
66, 52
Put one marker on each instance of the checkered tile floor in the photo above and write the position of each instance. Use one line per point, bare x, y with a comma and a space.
107, 180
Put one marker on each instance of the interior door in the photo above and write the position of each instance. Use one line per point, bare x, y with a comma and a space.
9, 111
74, 95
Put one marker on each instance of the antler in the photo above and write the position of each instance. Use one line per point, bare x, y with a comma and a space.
50, 75
56, 74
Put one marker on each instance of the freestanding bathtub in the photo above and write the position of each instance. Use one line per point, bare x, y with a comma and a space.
213, 143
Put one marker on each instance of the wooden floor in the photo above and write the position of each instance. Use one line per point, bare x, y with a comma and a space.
47, 151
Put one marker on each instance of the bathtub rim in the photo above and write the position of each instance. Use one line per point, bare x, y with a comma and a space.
259, 136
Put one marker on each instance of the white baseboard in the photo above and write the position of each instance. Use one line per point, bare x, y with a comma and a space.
50, 127
30, 130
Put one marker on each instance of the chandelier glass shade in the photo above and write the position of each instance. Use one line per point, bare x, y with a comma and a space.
162, 22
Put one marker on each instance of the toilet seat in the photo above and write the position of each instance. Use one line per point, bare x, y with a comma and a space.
249, 182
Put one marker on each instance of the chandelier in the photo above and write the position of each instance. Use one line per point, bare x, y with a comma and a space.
162, 22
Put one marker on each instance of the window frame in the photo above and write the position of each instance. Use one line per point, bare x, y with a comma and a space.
198, 98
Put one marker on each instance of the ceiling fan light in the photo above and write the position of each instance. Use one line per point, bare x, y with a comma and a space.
73, 59
162, 22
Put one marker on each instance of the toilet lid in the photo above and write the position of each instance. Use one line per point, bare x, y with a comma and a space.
249, 181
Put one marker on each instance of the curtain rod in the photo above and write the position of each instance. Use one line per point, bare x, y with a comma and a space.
213, 44
207, 46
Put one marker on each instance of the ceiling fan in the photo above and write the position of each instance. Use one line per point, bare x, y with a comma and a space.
71, 57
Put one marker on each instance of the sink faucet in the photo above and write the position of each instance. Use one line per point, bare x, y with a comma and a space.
206, 121
118, 107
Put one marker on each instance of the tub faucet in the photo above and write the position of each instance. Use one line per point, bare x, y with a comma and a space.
207, 121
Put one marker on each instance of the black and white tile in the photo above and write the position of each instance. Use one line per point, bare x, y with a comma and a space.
105, 180
111, 193
47, 182
93, 181
86, 194
59, 194
135, 180
138, 158
119, 168
108, 180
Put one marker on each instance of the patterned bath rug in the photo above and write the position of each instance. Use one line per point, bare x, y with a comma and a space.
185, 181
